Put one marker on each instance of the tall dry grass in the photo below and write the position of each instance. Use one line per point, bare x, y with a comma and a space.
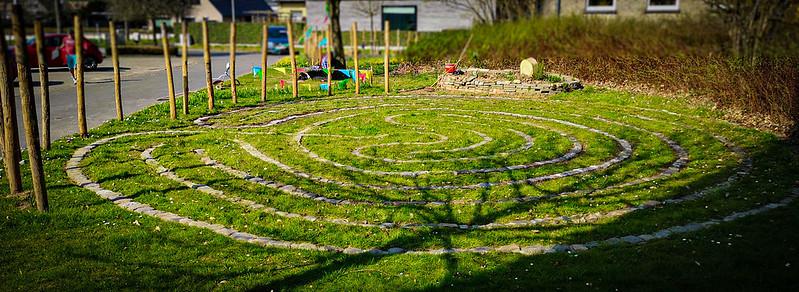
679, 55
764, 95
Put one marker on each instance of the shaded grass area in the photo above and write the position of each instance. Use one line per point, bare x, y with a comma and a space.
86, 242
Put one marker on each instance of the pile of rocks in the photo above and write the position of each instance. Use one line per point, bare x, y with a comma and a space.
505, 82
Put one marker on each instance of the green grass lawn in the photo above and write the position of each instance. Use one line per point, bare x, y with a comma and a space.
361, 149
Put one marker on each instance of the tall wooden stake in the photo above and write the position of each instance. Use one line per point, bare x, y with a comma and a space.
311, 48
387, 43
184, 55
294, 90
44, 83
355, 57
398, 39
318, 50
264, 57
78, 37
29, 109
11, 152
115, 62
173, 112
233, 93
329, 57
209, 79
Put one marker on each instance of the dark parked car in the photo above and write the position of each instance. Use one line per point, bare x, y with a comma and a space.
278, 40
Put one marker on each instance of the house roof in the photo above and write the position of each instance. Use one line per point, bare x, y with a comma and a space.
242, 7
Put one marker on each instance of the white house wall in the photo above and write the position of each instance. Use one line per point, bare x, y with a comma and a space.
431, 15
205, 9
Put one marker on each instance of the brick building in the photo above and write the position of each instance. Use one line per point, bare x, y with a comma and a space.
432, 15
623, 8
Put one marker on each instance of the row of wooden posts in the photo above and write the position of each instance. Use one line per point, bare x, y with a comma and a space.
9, 139
354, 44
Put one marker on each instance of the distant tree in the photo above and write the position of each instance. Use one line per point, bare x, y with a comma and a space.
750, 22
126, 11
484, 11
370, 8
150, 10
334, 7
515, 9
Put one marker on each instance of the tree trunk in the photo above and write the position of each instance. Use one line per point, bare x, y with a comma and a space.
372, 29
126, 32
338, 45
151, 22
57, 15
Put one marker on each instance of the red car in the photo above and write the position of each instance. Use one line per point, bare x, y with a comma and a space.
55, 53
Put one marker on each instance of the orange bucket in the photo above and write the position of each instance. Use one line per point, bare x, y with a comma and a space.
450, 68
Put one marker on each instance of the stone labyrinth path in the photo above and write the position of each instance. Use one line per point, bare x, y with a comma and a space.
439, 174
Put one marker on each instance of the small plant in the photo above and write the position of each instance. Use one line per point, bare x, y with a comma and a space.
553, 78
509, 76
538, 71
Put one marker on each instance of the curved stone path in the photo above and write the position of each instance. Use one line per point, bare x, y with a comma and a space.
74, 172
146, 155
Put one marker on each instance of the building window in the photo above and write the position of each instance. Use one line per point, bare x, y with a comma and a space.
663, 6
401, 17
296, 16
600, 6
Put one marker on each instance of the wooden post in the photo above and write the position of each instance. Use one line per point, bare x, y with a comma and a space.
355, 57
209, 79
294, 90
173, 112
115, 63
44, 83
11, 152
308, 51
29, 109
306, 42
317, 49
184, 55
264, 57
387, 43
233, 93
398, 39
78, 37
329, 57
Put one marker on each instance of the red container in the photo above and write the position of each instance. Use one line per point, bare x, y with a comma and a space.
450, 68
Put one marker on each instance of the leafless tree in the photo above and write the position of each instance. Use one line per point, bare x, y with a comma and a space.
370, 8
750, 22
484, 11
515, 9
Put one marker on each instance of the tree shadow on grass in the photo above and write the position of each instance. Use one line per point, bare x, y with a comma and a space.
659, 263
